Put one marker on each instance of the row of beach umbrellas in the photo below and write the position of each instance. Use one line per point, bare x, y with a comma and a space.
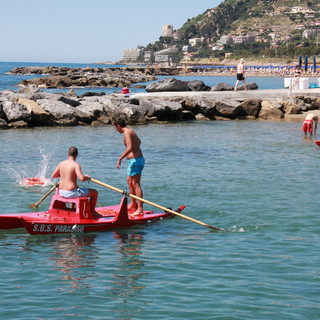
306, 63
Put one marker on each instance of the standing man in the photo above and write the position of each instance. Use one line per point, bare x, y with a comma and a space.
135, 164
240, 75
310, 124
69, 171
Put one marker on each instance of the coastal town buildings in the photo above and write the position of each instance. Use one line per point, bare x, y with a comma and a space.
132, 55
281, 24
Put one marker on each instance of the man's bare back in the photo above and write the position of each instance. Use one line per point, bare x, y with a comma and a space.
68, 171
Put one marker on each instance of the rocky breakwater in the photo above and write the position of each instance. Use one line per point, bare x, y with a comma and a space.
62, 77
30, 107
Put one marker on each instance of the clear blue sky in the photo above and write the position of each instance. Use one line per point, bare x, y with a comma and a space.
87, 31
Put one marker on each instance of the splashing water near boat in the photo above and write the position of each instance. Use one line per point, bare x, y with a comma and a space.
25, 178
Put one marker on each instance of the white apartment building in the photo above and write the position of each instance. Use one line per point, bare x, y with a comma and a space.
132, 55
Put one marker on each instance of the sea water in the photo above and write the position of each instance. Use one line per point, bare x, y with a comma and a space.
258, 181
8, 81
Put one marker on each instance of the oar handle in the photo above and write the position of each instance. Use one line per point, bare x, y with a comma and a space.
35, 205
153, 204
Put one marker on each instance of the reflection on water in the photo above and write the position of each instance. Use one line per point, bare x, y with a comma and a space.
126, 283
70, 255
75, 262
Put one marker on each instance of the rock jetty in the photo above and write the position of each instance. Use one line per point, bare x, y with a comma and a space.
62, 77
29, 107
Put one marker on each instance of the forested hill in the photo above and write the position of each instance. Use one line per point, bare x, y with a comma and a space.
235, 25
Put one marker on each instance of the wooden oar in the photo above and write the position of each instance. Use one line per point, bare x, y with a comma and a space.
153, 204
35, 205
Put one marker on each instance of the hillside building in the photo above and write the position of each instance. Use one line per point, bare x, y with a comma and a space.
149, 56
132, 55
226, 39
193, 42
167, 30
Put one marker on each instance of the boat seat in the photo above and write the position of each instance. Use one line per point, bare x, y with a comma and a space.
80, 205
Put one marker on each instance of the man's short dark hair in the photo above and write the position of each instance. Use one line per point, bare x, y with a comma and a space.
120, 122
73, 151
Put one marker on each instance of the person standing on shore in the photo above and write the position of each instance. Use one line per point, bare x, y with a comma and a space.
310, 124
135, 164
296, 76
69, 171
240, 75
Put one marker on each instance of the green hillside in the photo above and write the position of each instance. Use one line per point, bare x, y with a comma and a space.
283, 29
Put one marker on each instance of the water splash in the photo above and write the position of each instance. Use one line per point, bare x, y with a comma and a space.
44, 163
20, 173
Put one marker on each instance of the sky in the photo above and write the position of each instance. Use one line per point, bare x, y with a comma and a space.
88, 31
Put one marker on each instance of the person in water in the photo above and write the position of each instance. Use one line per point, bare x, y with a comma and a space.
136, 163
69, 171
310, 124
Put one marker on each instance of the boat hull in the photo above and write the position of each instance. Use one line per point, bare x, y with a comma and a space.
59, 219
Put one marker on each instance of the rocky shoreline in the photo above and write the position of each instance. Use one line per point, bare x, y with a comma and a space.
62, 77
32, 108
166, 100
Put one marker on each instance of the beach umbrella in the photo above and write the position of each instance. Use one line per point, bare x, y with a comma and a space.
314, 64
306, 63
300, 62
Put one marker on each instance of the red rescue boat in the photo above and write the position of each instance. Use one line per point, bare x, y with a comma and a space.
75, 216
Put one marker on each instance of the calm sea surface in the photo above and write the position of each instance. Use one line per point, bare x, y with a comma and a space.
256, 180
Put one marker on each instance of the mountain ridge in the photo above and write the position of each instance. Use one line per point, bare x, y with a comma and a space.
278, 29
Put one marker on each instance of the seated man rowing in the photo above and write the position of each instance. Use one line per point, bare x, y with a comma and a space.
68, 171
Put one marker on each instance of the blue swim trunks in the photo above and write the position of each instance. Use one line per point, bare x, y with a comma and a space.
76, 193
135, 166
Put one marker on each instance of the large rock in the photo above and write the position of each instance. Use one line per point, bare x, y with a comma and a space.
269, 111
208, 108
230, 109
15, 111
289, 107
222, 87
92, 109
168, 84
163, 110
197, 85
249, 86
63, 114
131, 113
38, 115
251, 107
316, 103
